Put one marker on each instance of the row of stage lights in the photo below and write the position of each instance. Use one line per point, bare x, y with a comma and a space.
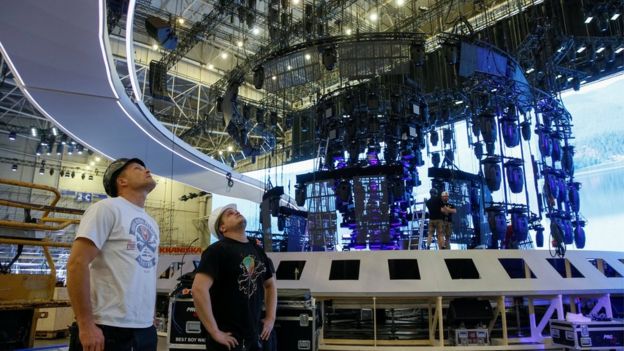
48, 139
63, 172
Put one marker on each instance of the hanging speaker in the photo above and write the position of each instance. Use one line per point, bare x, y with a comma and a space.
520, 225
492, 171
511, 135
579, 234
515, 175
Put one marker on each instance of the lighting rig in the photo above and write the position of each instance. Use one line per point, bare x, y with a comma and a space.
373, 136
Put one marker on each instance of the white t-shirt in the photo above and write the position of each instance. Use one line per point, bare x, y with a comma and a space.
123, 274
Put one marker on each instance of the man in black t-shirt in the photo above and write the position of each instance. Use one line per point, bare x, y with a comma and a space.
233, 279
447, 211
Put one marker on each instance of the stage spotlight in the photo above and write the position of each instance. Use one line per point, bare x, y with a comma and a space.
525, 129
515, 175
488, 126
519, 225
556, 153
39, 150
59, 149
14, 167
539, 236
372, 155
12, 135
510, 132
492, 171
568, 231
544, 143
579, 234
574, 197
42, 170
497, 222
34, 132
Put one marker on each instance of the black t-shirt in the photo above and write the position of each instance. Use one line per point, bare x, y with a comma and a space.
237, 293
447, 217
434, 205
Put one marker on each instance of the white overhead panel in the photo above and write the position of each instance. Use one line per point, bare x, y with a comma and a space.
62, 62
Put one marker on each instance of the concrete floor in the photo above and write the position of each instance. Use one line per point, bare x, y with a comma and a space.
61, 344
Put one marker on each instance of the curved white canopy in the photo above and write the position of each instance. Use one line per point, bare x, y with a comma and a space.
61, 58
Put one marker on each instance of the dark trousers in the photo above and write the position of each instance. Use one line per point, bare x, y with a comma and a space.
245, 344
120, 339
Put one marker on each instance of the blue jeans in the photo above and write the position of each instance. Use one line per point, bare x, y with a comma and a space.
120, 339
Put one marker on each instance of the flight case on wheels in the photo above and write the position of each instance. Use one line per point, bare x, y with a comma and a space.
594, 335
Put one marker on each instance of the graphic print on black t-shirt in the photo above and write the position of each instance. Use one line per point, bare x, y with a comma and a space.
251, 270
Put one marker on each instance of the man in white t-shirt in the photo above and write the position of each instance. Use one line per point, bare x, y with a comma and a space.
111, 271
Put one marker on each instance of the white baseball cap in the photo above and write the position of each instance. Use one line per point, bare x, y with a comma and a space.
213, 220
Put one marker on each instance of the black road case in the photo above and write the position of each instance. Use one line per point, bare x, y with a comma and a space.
594, 335
297, 323
185, 331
